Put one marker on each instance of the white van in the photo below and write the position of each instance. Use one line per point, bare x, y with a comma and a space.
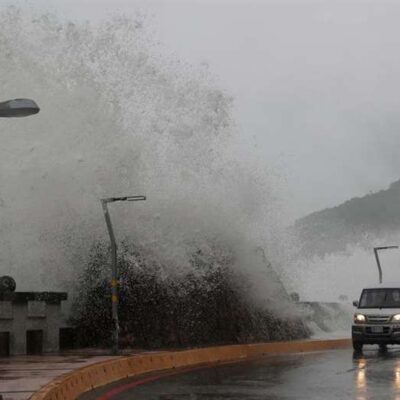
377, 318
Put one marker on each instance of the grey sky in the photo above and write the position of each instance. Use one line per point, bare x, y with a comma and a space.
316, 84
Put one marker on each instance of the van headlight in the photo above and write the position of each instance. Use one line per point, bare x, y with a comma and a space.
396, 318
361, 318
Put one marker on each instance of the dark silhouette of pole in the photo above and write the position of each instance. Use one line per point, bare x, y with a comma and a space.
114, 269
376, 249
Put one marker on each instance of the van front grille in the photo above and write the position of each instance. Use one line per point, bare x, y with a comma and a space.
378, 319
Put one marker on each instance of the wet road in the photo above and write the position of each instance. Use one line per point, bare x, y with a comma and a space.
328, 375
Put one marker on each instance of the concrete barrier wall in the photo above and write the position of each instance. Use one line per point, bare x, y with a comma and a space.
72, 385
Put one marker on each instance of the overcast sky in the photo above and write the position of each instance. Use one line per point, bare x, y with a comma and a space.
316, 84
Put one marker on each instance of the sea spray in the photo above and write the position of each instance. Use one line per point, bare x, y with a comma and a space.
120, 117
207, 305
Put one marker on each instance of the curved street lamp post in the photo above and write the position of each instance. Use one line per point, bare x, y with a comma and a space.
378, 263
114, 270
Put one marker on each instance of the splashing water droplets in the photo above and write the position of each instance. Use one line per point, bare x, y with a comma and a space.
121, 117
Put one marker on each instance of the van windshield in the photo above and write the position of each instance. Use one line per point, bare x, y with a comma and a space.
380, 298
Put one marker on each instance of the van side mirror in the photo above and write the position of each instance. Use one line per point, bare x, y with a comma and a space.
355, 303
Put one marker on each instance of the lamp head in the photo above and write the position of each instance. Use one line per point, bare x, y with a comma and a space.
18, 108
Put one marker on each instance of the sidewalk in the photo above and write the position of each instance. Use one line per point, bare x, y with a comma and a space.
20, 376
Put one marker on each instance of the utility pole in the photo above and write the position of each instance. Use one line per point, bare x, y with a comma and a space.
114, 269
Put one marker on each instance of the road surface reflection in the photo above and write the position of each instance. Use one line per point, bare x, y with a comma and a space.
377, 374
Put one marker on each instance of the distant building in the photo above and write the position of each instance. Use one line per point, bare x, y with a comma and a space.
30, 322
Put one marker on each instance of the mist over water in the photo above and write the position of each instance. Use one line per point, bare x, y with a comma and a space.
120, 117
326, 277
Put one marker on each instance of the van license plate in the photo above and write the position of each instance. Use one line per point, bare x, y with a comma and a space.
376, 329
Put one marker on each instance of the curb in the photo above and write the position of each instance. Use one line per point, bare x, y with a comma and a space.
70, 386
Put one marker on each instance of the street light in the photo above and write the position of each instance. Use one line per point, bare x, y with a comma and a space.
376, 249
114, 271
18, 108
